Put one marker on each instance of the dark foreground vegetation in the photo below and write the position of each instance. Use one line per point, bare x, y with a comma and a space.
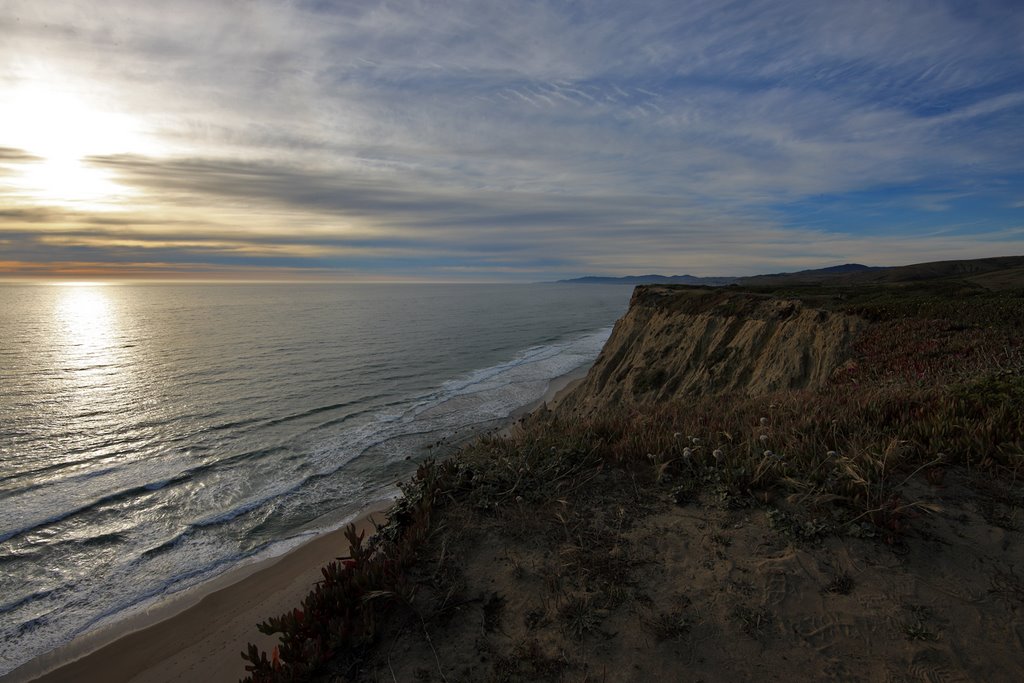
644, 537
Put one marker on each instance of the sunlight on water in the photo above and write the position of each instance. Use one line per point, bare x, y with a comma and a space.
88, 321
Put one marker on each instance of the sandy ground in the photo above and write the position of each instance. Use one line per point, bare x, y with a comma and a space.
614, 584
204, 642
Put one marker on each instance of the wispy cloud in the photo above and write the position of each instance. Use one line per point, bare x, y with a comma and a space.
526, 140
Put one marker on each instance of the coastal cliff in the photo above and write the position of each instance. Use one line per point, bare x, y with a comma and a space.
803, 484
675, 342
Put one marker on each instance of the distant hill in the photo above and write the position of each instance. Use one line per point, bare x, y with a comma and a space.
993, 273
807, 276
1000, 272
652, 280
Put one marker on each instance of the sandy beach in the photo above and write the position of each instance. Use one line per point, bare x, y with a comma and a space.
204, 640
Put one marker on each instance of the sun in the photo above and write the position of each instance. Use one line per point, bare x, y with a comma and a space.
60, 129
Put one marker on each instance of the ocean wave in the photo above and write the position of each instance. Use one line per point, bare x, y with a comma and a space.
31, 597
182, 477
311, 412
388, 426
409, 421
38, 524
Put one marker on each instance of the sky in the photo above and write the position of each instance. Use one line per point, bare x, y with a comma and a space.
505, 141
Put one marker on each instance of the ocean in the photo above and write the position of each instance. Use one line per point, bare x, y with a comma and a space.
153, 436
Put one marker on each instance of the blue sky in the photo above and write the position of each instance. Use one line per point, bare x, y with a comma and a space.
512, 141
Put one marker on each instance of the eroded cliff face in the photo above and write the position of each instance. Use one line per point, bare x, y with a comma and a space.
677, 342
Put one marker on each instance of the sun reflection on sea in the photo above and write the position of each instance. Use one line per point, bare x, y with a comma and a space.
91, 363
88, 322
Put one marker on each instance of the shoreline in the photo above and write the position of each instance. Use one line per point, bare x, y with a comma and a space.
203, 631
558, 388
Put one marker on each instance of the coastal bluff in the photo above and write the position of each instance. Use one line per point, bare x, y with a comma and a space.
800, 483
684, 341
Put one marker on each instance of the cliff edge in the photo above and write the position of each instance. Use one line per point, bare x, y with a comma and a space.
810, 483
681, 341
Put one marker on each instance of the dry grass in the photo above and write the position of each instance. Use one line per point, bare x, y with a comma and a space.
920, 397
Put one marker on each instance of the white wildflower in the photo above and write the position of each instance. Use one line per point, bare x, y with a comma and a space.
764, 421
687, 452
769, 454
717, 453
694, 440
764, 438
831, 454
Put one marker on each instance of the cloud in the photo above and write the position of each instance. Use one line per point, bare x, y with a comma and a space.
10, 155
542, 137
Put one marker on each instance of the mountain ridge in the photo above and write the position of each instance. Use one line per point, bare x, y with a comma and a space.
994, 272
